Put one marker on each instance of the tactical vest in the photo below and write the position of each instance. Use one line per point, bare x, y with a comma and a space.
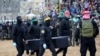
87, 28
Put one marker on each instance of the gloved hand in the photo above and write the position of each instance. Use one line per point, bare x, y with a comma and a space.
14, 44
42, 31
51, 27
26, 42
44, 46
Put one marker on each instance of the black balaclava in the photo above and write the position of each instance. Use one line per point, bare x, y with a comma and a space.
47, 23
19, 20
35, 22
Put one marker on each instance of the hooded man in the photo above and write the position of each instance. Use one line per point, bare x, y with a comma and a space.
46, 38
34, 33
65, 30
19, 36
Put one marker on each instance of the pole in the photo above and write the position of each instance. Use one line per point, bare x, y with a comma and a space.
58, 6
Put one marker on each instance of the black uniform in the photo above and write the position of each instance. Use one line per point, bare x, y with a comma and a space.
18, 36
26, 33
34, 33
10, 30
4, 30
0, 31
46, 38
53, 30
88, 42
64, 31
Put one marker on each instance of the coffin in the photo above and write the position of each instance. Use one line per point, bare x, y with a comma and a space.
33, 44
59, 42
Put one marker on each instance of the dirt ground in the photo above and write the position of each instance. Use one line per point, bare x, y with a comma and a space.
7, 49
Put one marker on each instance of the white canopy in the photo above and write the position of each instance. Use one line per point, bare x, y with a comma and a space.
30, 16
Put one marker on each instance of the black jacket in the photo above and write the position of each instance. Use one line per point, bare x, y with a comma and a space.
34, 32
18, 33
46, 37
65, 27
26, 30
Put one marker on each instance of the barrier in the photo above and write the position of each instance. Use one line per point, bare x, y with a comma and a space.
59, 42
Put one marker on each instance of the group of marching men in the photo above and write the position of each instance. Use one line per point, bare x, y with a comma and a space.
85, 30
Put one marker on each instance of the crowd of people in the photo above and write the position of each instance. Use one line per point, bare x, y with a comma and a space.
5, 30
61, 26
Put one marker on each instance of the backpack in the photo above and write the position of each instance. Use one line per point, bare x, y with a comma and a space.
87, 28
